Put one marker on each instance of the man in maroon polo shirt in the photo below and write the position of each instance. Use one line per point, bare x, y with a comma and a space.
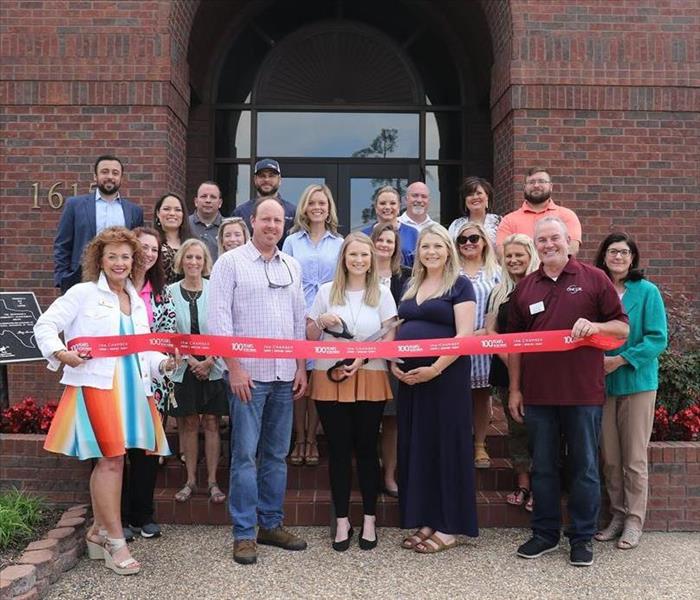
562, 392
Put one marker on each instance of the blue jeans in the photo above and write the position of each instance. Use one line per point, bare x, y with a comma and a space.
261, 432
580, 426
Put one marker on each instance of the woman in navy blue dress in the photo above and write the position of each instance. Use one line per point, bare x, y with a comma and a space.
436, 465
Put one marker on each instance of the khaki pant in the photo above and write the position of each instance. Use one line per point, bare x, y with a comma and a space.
626, 430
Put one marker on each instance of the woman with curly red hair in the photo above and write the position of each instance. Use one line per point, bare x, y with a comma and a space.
107, 406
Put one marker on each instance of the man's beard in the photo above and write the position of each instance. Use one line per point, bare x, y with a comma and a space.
418, 210
262, 194
537, 199
104, 190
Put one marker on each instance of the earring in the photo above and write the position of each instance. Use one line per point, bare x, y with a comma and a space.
158, 222
328, 219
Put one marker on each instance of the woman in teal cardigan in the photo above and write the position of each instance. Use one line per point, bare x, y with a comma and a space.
632, 380
199, 385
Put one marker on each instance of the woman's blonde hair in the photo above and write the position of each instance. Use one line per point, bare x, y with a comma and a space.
340, 280
301, 221
395, 261
384, 189
488, 254
186, 245
92, 256
222, 228
500, 293
450, 272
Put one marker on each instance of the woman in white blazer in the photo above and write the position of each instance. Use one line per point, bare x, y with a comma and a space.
106, 406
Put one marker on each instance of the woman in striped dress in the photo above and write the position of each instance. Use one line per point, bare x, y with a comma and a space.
106, 406
479, 264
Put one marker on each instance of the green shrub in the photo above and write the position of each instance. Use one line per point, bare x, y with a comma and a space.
19, 516
679, 365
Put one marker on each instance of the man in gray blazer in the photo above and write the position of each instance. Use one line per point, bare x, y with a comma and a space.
85, 216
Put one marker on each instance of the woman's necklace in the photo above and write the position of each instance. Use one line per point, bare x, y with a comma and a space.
354, 316
191, 295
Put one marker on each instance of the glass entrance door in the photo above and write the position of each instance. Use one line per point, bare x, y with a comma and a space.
352, 185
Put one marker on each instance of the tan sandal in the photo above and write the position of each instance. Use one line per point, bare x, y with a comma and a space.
215, 493
311, 457
297, 455
630, 538
185, 493
411, 541
427, 548
128, 566
612, 531
482, 460
95, 543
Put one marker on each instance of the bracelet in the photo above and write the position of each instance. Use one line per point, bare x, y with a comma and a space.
438, 371
58, 353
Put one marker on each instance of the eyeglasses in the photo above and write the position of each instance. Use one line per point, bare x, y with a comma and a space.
274, 285
618, 252
537, 181
472, 239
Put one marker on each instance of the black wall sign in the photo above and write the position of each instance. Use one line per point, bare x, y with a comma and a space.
19, 312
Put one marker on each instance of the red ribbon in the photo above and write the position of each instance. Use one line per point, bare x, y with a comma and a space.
245, 347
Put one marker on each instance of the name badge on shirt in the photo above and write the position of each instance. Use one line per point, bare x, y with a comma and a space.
537, 307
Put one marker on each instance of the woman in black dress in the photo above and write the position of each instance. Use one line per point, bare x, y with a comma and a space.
436, 464
393, 275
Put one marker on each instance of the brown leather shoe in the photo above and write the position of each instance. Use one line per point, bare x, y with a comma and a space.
245, 552
281, 538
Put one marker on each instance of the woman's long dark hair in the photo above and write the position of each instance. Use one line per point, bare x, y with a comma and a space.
156, 274
395, 262
184, 230
635, 273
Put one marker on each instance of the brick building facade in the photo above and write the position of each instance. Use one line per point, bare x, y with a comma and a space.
605, 93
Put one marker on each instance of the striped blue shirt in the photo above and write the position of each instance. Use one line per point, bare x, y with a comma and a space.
318, 261
108, 213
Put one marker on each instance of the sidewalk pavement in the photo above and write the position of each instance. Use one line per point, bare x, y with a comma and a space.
194, 561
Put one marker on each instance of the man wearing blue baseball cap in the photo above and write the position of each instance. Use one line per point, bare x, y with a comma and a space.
267, 180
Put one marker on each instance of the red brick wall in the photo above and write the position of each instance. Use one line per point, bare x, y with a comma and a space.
674, 480
674, 486
80, 79
607, 95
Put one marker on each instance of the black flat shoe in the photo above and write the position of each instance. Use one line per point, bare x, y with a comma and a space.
367, 544
391, 493
343, 545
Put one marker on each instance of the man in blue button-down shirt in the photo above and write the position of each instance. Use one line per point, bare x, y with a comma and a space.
85, 216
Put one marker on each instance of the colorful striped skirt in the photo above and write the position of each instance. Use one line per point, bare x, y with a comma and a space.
95, 423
